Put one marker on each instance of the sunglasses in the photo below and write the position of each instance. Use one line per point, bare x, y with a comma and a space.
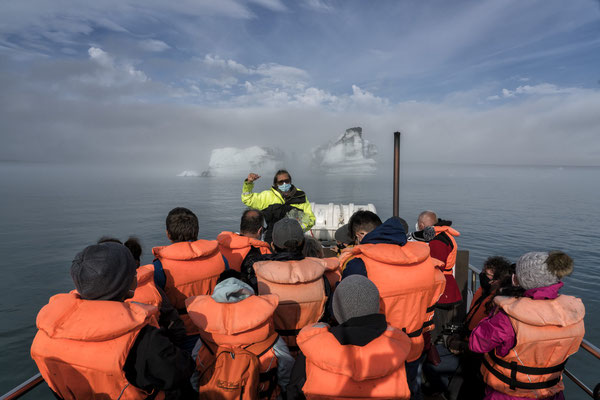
284, 181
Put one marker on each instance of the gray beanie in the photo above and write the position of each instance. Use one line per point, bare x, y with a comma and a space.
103, 271
533, 272
355, 296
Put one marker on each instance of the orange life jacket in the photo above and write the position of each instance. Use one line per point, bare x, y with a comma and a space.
477, 310
146, 291
450, 261
191, 269
81, 346
333, 271
335, 371
409, 284
547, 333
236, 247
245, 324
301, 290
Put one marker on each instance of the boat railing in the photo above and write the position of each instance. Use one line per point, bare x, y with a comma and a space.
468, 286
24, 387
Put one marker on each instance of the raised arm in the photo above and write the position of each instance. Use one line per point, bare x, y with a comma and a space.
258, 201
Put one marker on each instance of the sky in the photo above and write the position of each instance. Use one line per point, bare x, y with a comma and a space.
148, 82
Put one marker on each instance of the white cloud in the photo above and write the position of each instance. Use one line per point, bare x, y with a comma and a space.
111, 73
274, 5
543, 89
318, 5
154, 45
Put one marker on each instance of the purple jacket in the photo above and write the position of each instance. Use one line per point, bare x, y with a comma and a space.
496, 332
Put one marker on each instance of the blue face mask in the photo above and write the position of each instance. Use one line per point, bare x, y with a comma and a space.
285, 187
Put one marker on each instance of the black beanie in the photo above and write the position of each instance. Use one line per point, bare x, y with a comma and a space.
103, 271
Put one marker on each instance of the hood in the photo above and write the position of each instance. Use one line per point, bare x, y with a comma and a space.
390, 232
183, 251
67, 316
231, 290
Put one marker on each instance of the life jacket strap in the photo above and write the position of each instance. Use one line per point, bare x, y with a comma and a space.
288, 332
515, 368
419, 331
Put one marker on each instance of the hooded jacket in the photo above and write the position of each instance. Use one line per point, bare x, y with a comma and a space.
275, 205
407, 278
235, 316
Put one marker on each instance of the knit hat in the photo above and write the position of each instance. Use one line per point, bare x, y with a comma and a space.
539, 269
355, 296
103, 271
287, 233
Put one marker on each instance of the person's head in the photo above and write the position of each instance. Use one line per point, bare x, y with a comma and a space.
182, 225
426, 218
105, 271
355, 296
135, 247
361, 223
495, 270
539, 269
342, 236
312, 248
288, 236
106, 239
282, 180
252, 224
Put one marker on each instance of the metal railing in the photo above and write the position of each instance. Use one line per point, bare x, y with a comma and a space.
473, 272
24, 387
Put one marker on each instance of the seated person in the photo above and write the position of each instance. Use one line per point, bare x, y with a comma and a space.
533, 327
362, 357
234, 317
92, 344
187, 267
247, 244
147, 292
299, 282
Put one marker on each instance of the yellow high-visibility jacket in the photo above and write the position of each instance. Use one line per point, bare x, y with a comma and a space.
272, 197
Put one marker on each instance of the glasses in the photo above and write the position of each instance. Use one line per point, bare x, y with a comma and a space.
284, 181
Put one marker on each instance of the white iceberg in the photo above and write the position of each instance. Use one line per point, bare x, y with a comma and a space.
348, 154
189, 173
232, 161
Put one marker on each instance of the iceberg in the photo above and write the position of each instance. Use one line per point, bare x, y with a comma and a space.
189, 173
348, 154
232, 161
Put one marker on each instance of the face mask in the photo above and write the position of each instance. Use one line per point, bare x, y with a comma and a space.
416, 226
484, 282
285, 187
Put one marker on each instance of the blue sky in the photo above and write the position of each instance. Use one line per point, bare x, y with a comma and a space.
520, 77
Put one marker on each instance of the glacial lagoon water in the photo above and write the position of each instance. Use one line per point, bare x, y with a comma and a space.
50, 212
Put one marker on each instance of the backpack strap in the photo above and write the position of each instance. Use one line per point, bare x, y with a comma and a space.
160, 278
260, 348
268, 377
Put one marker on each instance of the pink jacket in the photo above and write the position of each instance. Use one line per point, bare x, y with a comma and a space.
496, 332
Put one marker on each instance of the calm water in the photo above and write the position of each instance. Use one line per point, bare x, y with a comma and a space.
49, 213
